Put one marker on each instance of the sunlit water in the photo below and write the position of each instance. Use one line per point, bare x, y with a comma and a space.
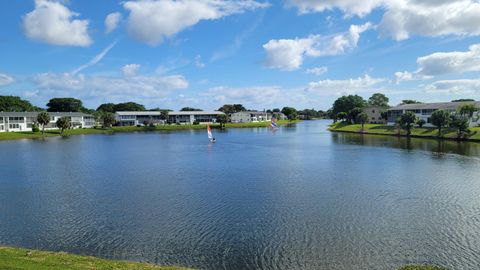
298, 198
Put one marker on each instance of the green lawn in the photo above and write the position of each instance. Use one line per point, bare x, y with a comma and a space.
82, 131
421, 267
24, 259
447, 133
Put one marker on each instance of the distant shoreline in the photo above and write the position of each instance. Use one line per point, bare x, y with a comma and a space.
423, 133
5, 136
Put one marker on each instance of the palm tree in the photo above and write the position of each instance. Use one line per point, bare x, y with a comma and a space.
407, 120
362, 118
440, 118
43, 119
63, 123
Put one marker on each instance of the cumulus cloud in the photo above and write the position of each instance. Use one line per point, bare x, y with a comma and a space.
141, 88
130, 69
463, 86
5, 79
329, 87
289, 54
317, 70
404, 18
442, 63
151, 21
53, 23
111, 21
430, 18
351, 7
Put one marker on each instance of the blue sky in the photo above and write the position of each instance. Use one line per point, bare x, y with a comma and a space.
263, 54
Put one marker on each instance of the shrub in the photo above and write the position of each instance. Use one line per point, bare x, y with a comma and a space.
35, 127
196, 123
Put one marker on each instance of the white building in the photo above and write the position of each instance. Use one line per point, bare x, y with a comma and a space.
155, 117
23, 121
250, 116
424, 111
190, 117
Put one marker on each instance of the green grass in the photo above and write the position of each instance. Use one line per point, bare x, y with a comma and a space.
25, 259
427, 132
421, 267
83, 131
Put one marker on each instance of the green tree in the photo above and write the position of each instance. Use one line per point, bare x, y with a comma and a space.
467, 110
421, 122
232, 108
407, 120
378, 99
342, 116
362, 118
384, 115
16, 104
461, 124
410, 101
463, 100
106, 107
108, 119
440, 118
65, 105
190, 109
129, 107
222, 119
290, 113
43, 119
347, 103
352, 115
63, 123
164, 115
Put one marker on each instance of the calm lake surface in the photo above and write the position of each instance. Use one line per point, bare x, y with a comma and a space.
297, 198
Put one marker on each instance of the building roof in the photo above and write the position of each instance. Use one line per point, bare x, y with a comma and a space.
434, 106
252, 112
34, 114
139, 113
196, 113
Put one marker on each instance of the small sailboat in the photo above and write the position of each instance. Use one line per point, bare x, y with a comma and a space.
210, 135
273, 123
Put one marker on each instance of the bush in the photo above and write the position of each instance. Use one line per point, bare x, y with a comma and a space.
139, 125
196, 123
151, 125
35, 127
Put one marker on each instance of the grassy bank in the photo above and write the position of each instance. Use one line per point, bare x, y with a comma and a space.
83, 131
421, 267
425, 132
25, 259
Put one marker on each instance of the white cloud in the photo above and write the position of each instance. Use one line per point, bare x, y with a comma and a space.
403, 18
463, 86
198, 62
289, 54
442, 63
111, 21
338, 87
107, 88
95, 60
317, 70
130, 70
351, 7
151, 21
51, 22
6, 79
430, 18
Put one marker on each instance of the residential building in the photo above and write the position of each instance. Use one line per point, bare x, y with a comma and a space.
375, 114
126, 118
190, 117
155, 117
424, 111
23, 121
250, 116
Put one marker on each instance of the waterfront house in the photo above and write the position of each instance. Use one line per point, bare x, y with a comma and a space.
23, 121
375, 114
424, 111
250, 116
155, 117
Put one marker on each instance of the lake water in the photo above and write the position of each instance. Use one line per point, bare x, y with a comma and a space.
297, 198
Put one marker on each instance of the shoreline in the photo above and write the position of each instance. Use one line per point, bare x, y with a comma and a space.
420, 133
29, 259
20, 135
